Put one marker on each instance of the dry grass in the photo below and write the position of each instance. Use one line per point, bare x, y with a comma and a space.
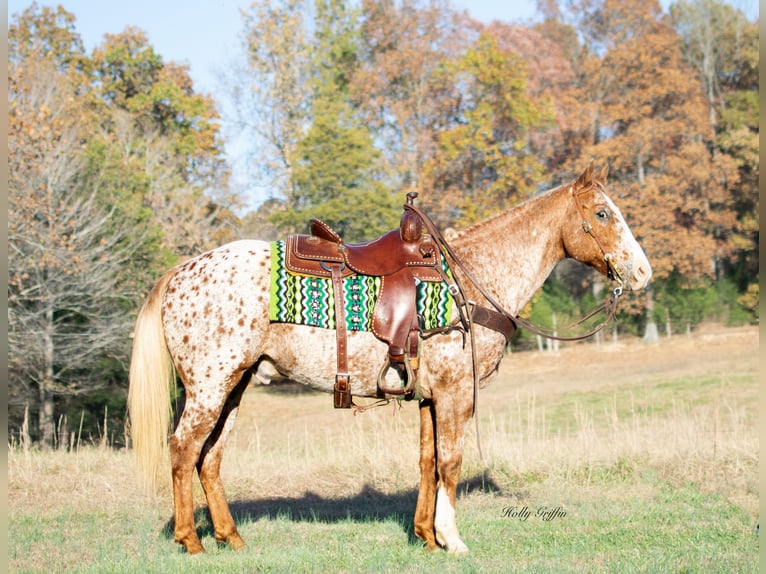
619, 422
685, 409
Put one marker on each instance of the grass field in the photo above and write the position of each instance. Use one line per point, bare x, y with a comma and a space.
616, 458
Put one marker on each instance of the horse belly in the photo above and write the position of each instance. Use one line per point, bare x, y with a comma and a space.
308, 355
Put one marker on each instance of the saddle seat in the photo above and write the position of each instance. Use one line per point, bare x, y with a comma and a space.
400, 258
384, 256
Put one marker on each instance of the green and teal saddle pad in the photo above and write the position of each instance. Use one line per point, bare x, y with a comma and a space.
304, 300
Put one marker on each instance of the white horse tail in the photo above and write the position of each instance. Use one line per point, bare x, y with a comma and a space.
151, 374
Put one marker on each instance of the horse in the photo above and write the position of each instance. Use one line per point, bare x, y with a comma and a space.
207, 321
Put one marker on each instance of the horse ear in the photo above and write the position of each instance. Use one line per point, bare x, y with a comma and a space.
586, 177
603, 174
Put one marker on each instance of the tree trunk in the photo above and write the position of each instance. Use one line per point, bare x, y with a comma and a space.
45, 416
668, 326
651, 336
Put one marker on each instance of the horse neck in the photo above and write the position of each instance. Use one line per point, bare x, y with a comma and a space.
512, 254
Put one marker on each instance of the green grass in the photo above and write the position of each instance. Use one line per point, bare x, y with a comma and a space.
561, 410
659, 528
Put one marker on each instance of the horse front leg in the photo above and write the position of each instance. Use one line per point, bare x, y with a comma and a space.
451, 420
209, 469
424, 512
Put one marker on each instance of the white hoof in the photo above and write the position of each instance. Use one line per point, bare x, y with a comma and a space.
458, 549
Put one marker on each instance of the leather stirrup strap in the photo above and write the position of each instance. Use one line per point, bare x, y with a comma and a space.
342, 388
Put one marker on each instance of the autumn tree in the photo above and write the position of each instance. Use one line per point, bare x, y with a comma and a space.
722, 45
403, 46
551, 52
649, 119
483, 161
114, 162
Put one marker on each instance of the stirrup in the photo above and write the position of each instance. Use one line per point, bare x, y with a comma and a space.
409, 385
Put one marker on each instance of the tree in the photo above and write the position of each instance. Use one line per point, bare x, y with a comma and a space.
651, 125
722, 46
318, 151
167, 137
402, 48
67, 310
116, 170
271, 95
551, 53
483, 161
334, 177
716, 38
652, 130
336, 166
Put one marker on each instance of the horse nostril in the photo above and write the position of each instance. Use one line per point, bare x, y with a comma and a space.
641, 272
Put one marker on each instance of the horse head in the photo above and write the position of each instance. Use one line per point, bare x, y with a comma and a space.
599, 235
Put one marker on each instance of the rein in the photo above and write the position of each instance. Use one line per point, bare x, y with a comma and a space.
499, 319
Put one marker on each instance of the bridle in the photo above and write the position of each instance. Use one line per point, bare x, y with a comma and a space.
498, 319
611, 271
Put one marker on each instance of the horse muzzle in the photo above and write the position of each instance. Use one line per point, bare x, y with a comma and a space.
636, 274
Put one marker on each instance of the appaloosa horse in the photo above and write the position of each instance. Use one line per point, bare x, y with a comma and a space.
208, 319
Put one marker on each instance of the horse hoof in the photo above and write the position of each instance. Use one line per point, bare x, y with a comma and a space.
236, 543
194, 548
460, 549
233, 542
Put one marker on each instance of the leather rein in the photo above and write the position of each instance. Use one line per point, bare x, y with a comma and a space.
499, 319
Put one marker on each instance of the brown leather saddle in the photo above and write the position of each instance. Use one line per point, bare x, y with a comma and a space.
399, 257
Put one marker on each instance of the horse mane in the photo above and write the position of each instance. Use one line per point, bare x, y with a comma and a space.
587, 179
510, 212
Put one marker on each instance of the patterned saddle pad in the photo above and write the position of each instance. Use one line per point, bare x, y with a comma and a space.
305, 300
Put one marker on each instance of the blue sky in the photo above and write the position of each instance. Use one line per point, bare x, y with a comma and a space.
206, 33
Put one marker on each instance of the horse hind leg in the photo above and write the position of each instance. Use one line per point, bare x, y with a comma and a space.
182, 459
197, 422
209, 467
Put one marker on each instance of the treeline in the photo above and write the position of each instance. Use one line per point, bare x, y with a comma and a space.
117, 167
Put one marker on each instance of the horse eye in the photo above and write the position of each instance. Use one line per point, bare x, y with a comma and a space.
602, 214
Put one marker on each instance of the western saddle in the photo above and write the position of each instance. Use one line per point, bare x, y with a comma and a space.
399, 258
